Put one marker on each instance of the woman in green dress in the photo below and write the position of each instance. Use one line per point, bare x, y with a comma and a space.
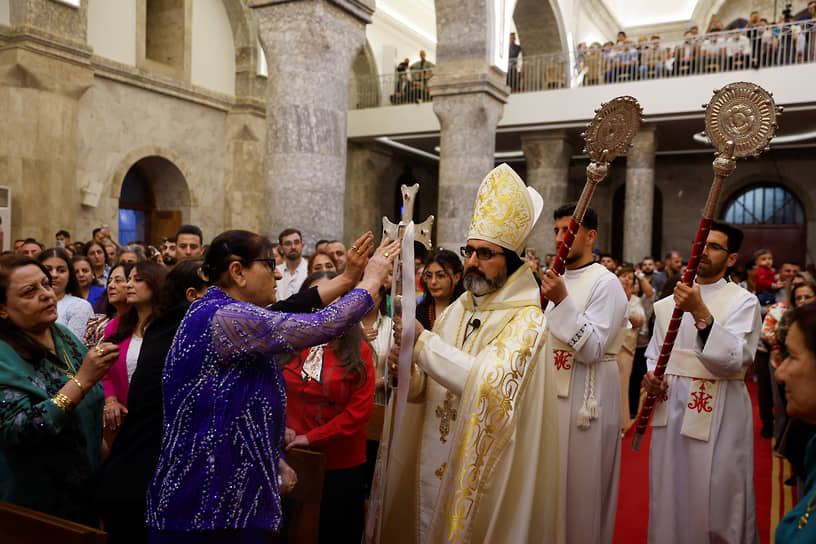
798, 373
51, 400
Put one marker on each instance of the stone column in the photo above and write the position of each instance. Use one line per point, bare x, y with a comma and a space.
547, 155
468, 98
467, 145
309, 46
45, 68
637, 220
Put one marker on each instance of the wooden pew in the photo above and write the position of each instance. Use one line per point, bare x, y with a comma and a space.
19, 525
304, 502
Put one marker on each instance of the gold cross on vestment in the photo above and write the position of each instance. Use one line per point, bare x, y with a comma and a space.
446, 415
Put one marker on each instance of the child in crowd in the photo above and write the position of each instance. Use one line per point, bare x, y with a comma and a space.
765, 283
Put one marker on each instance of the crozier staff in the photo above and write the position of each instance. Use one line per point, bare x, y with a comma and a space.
220, 474
701, 461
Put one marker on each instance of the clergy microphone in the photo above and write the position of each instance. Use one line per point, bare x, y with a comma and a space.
473, 323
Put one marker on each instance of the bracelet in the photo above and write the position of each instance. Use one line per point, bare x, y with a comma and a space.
81, 389
63, 402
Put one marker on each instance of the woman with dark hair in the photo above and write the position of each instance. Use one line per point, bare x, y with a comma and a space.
330, 393
114, 305
220, 473
127, 470
50, 403
73, 311
774, 316
626, 353
145, 283
99, 262
320, 261
796, 433
378, 330
442, 283
85, 277
798, 373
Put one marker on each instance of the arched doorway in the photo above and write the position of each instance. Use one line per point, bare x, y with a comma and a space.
772, 217
618, 210
153, 201
136, 203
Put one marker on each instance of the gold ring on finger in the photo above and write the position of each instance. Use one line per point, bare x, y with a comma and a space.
355, 249
100, 350
386, 254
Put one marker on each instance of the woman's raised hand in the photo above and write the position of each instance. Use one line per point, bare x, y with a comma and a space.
97, 362
357, 257
379, 265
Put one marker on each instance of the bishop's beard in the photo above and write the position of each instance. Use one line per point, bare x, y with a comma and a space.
480, 285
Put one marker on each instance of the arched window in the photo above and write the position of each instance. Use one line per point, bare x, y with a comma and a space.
765, 205
770, 216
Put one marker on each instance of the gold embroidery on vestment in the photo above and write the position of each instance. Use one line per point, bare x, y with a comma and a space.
446, 414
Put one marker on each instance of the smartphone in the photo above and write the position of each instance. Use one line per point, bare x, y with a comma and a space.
60, 243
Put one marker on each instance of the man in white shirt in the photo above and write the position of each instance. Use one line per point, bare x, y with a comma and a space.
586, 312
294, 267
701, 467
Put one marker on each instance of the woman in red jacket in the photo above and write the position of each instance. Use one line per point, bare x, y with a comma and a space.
330, 394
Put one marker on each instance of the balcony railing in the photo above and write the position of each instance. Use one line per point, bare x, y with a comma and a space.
728, 51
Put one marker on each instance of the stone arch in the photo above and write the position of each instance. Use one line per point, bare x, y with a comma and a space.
740, 183
168, 181
540, 27
244, 32
364, 84
788, 241
175, 178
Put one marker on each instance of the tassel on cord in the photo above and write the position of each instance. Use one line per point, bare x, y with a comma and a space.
589, 409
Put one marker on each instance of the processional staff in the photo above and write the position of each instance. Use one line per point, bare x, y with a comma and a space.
403, 303
740, 121
609, 134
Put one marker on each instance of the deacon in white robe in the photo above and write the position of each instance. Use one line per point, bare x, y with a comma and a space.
585, 333
701, 460
477, 457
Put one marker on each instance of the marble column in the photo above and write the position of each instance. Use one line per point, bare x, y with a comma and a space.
640, 174
467, 145
309, 46
548, 156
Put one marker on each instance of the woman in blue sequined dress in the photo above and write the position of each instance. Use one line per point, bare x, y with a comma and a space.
218, 478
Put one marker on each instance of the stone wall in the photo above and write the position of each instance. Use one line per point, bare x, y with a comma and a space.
373, 180
120, 124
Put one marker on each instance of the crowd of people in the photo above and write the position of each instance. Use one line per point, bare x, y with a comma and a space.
751, 43
411, 81
171, 382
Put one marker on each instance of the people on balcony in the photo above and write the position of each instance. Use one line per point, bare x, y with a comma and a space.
653, 59
513, 75
420, 74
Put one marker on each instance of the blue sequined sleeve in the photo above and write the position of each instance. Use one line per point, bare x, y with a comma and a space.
241, 328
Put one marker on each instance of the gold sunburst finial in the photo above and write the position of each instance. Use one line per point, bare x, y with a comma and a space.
743, 113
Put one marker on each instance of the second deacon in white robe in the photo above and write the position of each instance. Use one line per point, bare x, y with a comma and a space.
701, 460
585, 333
477, 456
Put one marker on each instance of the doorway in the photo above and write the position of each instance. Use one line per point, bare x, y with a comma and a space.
152, 201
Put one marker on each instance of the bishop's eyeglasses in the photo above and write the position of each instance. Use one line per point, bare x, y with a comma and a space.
482, 253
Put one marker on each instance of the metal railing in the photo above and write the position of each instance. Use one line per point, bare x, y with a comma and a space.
749, 48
